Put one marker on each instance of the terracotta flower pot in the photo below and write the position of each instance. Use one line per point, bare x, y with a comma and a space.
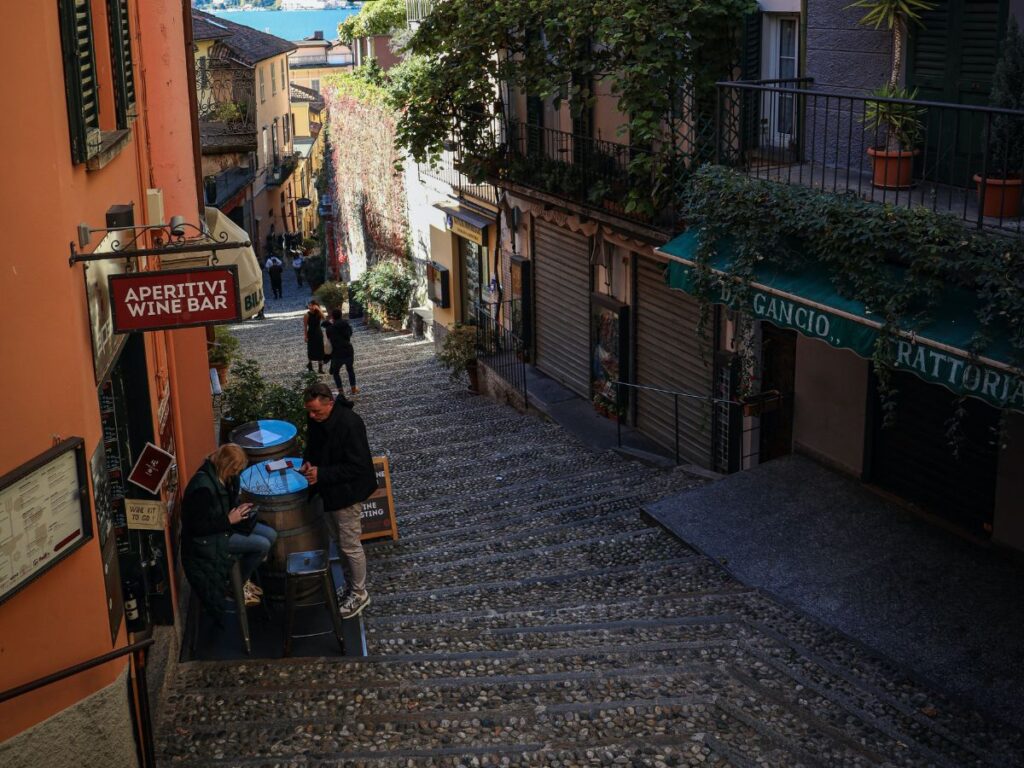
892, 169
1002, 197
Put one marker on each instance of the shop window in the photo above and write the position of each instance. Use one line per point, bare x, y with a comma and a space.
81, 75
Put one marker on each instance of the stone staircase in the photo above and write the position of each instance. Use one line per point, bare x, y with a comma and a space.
529, 616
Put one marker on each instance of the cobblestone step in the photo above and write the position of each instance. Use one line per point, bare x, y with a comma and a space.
529, 617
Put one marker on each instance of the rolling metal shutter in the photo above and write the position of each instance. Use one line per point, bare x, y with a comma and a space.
669, 357
562, 305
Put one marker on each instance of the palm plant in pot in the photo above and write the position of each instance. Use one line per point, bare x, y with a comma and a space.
1000, 188
892, 116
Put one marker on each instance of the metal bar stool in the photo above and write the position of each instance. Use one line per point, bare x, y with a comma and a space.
309, 565
238, 592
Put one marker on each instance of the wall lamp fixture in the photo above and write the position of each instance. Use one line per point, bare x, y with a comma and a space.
179, 236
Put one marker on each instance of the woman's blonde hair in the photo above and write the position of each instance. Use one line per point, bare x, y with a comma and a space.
229, 460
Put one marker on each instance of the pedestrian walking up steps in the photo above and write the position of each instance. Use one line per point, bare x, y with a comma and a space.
529, 617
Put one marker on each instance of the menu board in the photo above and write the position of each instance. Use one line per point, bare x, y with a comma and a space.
378, 515
43, 514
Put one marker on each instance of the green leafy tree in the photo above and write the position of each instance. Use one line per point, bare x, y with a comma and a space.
380, 17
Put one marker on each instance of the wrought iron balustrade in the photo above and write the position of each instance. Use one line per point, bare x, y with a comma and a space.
226, 96
417, 10
794, 133
283, 166
499, 346
445, 169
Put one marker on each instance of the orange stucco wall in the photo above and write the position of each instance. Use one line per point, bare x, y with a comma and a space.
46, 368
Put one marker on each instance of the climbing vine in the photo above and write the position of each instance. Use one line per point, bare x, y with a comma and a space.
858, 243
369, 192
660, 60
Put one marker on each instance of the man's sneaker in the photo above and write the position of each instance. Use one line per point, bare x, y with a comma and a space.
353, 605
342, 593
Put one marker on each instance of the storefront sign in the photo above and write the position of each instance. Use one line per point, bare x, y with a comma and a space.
930, 361
378, 517
145, 515
151, 468
44, 514
180, 298
465, 230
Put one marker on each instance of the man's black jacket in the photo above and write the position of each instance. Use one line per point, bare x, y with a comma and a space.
339, 450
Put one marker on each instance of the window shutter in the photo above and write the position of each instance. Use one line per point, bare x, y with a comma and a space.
121, 59
752, 24
79, 78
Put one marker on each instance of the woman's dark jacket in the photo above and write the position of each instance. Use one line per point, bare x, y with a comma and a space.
314, 337
339, 333
338, 448
204, 536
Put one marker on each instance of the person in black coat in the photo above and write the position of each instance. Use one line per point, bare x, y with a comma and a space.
338, 466
216, 529
339, 333
314, 334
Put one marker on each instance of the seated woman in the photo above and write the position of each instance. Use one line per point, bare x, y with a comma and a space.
215, 529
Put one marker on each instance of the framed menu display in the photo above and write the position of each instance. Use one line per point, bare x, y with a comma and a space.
44, 514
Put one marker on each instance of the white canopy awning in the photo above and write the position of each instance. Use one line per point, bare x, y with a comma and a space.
250, 276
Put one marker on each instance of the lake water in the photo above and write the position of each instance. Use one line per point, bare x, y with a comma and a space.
291, 25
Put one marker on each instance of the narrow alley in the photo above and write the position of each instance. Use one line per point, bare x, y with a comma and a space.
529, 616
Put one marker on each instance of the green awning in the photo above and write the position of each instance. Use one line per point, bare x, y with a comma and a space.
808, 302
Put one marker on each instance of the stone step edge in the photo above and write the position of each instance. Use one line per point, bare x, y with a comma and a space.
693, 560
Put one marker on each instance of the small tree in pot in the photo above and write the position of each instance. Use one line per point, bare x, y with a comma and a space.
900, 122
458, 353
1001, 187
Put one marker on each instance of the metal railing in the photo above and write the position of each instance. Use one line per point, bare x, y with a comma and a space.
445, 169
417, 10
674, 394
892, 151
283, 167
226, 97
145, 745
499, 347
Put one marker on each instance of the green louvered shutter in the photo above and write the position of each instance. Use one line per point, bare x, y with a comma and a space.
952, 58
121, 58
79, 78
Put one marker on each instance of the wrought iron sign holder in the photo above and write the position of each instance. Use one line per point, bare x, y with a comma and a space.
173, 238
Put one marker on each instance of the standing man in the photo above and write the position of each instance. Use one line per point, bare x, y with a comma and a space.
297, 262
275, 267
338, 466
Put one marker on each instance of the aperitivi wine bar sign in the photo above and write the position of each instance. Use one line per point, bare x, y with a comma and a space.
179, 298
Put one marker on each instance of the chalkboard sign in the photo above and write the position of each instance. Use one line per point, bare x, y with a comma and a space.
378, 517
44, 514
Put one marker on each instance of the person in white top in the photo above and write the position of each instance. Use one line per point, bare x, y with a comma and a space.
297, 262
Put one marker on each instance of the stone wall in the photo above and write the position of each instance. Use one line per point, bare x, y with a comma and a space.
496, 388
94, 733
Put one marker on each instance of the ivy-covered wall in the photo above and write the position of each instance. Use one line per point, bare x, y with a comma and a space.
368, 190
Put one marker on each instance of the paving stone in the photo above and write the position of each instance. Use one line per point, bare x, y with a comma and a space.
528, 616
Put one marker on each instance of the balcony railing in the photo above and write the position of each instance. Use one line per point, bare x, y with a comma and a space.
282, 168
226, 96
629, 181
794, 133
445, 169
417, 10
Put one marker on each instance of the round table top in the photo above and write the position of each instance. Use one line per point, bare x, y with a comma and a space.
265, 433
257, 481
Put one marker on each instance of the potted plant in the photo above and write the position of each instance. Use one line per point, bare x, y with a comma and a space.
899, 121
458, 353
221, 352
1000, 189
332, 295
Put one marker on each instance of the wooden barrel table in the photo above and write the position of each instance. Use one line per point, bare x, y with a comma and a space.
281, 502
265, 440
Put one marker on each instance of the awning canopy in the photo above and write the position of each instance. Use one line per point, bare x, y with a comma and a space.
250, 276
466, 222
808, 302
